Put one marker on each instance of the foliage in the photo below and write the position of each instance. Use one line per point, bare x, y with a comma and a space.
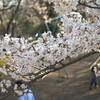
30, 60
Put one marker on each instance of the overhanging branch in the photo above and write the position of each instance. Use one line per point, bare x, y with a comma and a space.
54, 69
49, 70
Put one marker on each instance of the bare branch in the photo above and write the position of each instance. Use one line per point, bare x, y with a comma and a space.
84, 3
94, 7
6, 95
7, 8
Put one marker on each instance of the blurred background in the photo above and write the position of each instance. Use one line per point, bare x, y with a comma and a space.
26, 17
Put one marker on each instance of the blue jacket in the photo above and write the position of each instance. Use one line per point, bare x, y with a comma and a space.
28, 95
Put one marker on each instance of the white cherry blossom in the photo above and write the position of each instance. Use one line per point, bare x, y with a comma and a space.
25, 57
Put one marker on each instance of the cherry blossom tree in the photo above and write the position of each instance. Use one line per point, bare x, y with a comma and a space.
27, 60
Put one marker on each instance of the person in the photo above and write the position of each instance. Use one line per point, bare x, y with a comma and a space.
27, 93
93, 78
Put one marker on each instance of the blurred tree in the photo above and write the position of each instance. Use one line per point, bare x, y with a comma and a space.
23, 16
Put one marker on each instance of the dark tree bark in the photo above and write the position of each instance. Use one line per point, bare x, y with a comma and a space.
12, 17
2, 26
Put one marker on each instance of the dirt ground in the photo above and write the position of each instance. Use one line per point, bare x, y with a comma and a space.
76, 87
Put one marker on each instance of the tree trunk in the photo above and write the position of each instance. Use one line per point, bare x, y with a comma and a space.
12, 17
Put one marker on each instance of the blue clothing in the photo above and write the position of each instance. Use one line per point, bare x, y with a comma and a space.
93, 80
27, 95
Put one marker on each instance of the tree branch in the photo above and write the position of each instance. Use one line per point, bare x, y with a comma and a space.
94, 7
6, 95
63, 65
54, 69
7, 8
